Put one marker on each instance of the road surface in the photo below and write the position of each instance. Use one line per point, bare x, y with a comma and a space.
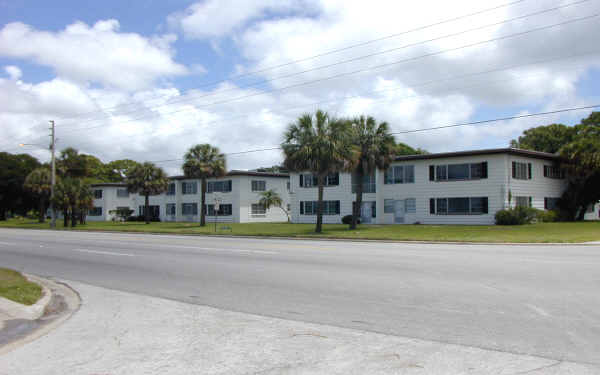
536, 300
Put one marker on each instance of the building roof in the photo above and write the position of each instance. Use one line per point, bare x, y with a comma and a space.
243, 173
117, 184
492, 151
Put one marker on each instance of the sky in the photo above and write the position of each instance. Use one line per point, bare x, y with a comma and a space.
148, 79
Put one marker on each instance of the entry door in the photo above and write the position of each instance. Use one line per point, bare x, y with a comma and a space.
399, 210
366, 212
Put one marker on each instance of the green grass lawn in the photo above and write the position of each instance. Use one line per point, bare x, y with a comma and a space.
543, 232
16, 287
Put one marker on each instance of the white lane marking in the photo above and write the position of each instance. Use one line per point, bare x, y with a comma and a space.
103, 252
237, 250
538, 310
8, 243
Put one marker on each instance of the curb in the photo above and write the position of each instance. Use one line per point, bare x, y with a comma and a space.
31, 312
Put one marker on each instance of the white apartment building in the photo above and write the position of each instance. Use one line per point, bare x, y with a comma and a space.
236, 193
466, 187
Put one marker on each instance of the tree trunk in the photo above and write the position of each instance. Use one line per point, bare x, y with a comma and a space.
286, 213
147, 208
2, 214
203, 202
82, 217
358, 205
73, 216
321, 183
42, 211
65, 217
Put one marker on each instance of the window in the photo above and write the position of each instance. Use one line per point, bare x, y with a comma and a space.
552, 171
552, 204
98, 194
458, 206
368, 184
388, 206
258, 209
400, 174
410, 205
218, 186
521, 171
373, 205
96, 211
287, 185
288, 207
523, 201
259, 185
122, 193
310, 180
189, 187
170, 209
458, 172
189, 208
154, 211
171, 189
310, 207
224, 210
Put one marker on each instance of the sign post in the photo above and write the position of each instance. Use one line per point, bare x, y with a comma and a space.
216, 209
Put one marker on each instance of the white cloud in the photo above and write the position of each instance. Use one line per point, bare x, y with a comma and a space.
13, 72
98, 53
217, 18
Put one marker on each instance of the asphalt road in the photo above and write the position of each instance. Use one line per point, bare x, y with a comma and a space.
537, 300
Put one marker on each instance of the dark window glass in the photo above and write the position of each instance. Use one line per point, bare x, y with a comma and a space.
458, 171
458, 206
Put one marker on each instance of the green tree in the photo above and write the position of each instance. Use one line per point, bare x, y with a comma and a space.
271, 198
375, 148
147, 179
74, 197
320, 144
201, 162
549, 138
39, 182
14, 198
61, 199
116, 170
404, 149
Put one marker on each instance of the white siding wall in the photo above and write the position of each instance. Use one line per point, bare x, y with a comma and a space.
495, 187
247, 197
595, 214
110, 201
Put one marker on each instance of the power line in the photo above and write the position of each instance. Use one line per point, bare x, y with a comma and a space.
359, 70
472, 123
196, 97
255, 72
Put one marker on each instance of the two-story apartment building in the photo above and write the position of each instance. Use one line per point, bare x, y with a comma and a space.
466, 187
237, 195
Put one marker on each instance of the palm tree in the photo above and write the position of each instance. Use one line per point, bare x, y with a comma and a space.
270, 198
201, 162
319, 144
39, 182
147, 179
61, 199
376, 148
85, 201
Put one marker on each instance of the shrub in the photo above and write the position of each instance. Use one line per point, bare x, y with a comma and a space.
348, 219
516, 216
547, 216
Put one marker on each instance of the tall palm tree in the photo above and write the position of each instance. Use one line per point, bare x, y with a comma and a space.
270, 198
201, 162
320, 144
39, 182
376, 148
147, 179
85, 201
61, 199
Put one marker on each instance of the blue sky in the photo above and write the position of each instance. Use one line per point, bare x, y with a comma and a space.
139, 70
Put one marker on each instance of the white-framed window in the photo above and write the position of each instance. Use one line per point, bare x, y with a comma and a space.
259, 185
521, 171
388, 206
95, 211
98, 194
410, 205
368, 183
523, 201
458, 172
258, 209
310, 207
189, 187
189, 208
170, 209
400, 174
553, 171
309, 180
171, 190
552, 203
224, 210
458, 206
218, 186
122, 193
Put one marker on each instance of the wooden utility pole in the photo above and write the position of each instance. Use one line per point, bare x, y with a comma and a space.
52, 148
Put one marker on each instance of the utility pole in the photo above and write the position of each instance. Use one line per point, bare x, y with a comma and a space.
52, 148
